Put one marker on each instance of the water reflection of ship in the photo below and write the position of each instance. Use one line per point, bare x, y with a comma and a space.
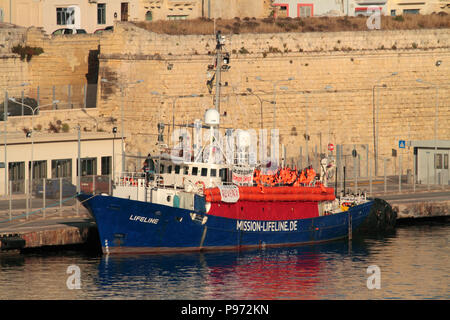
275, 273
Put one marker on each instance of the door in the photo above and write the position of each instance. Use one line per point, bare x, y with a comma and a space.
16, 173
124, 11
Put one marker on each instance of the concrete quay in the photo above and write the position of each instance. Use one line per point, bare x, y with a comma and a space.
68, 227
409, 201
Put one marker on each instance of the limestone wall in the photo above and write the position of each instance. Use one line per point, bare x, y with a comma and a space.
350, 62
66, 60
13, 72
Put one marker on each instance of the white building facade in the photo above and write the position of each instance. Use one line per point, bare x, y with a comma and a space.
56, 156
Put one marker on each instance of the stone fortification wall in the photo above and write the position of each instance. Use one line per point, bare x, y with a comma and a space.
349, 64
66, 60
353, 66
13, 72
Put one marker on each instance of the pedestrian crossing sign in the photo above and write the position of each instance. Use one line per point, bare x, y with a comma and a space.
401, 144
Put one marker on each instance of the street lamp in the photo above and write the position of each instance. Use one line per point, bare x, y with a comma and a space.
435, 123
261, 101
114, 131
174, 99
122, 92
30, 133
274, 95
306, 93
375, 117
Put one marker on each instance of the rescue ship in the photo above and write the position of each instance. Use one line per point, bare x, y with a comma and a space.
194, 200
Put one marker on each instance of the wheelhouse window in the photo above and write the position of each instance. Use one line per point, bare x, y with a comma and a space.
213, 172
194, 171
186, 170
177, 169
101, 13
204, 172
223, 173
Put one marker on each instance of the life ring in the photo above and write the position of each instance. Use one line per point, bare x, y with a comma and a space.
201, 183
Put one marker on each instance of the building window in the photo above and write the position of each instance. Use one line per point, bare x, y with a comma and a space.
65, 16
16, 172
393, 13
39, 169
411, 11
62, 168
148, 16
88, 167
445, 161
282, 10
177, 17
101, 13
438, 161
305, 10
106, 166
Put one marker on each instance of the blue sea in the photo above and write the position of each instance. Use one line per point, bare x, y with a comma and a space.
411, 263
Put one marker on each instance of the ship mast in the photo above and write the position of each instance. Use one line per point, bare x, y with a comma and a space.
219, 44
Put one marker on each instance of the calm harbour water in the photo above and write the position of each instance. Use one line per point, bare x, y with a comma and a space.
413, 263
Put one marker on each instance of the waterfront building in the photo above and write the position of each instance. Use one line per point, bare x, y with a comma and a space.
56, 156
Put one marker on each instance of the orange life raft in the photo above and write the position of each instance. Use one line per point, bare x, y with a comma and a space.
276, 194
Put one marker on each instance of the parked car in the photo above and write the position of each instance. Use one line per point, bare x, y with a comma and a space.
52, 189
102, 184
109, 28
68, 31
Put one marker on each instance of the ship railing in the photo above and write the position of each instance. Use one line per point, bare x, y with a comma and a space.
131, 179
353, 199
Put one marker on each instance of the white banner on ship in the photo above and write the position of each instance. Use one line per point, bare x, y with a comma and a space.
229, 193
242, 176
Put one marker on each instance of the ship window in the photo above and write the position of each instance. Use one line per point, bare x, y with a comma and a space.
161, 169
186, 170
213, 172
194, 171
177, 169
169, 169
204, 172
223, 174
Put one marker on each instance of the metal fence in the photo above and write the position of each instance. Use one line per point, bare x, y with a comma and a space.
45, 198
355, 171
56, 97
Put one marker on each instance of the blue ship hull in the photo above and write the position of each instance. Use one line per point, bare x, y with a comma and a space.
129, 226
